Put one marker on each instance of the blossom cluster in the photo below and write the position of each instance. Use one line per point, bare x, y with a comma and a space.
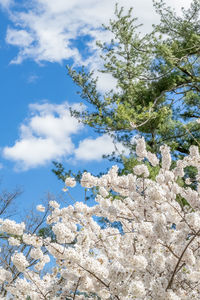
153, 255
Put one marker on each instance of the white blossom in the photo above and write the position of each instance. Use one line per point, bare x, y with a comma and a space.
71, 182
153, 253
40, 208
5, 275
137, 289
54, 204
166, 157
36, 253
141, 170
103, 192
139, 262
141, 148
11, 227
19, 260
152, 159
14, 242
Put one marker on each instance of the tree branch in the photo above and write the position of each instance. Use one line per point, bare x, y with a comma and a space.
179, 260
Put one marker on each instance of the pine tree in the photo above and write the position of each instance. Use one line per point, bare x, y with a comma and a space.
158, 83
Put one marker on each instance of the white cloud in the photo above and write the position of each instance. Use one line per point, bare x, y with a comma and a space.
45, 136
6, 3
45, 29
93, 149
32, 78
33, 151
19, 38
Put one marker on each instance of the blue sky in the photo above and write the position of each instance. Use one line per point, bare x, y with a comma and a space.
37, 39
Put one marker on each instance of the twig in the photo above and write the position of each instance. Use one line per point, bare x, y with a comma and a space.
76, 288
179, 260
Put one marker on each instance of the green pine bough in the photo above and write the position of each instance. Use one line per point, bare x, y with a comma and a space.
157, 92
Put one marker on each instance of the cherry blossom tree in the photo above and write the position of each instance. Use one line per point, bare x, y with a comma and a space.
155, 254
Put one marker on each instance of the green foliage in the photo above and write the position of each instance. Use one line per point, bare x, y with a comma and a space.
47, 232
157, 78
62, 174
158, 84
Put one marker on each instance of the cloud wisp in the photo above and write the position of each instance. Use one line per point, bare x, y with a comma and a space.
54, 31
93, 149
6, 4
47, 134
44, 30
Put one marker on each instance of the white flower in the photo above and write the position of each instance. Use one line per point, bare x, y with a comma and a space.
166, 157
63, 233
39, 266
141, 148
11, 227
137, 289
54, 204
172, 296
69, 181
194, 151
152, 159
36, 253
14, 242
104, 294
33, 240
139, 262
5, 276
46, 258
117, 272
40, 208
103, 192
19, 260
88, 181
134, 260
188, 181
141, 170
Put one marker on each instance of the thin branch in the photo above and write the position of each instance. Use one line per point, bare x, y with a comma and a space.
102, 282
179, 260
76, 288
36, 286
170, 249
